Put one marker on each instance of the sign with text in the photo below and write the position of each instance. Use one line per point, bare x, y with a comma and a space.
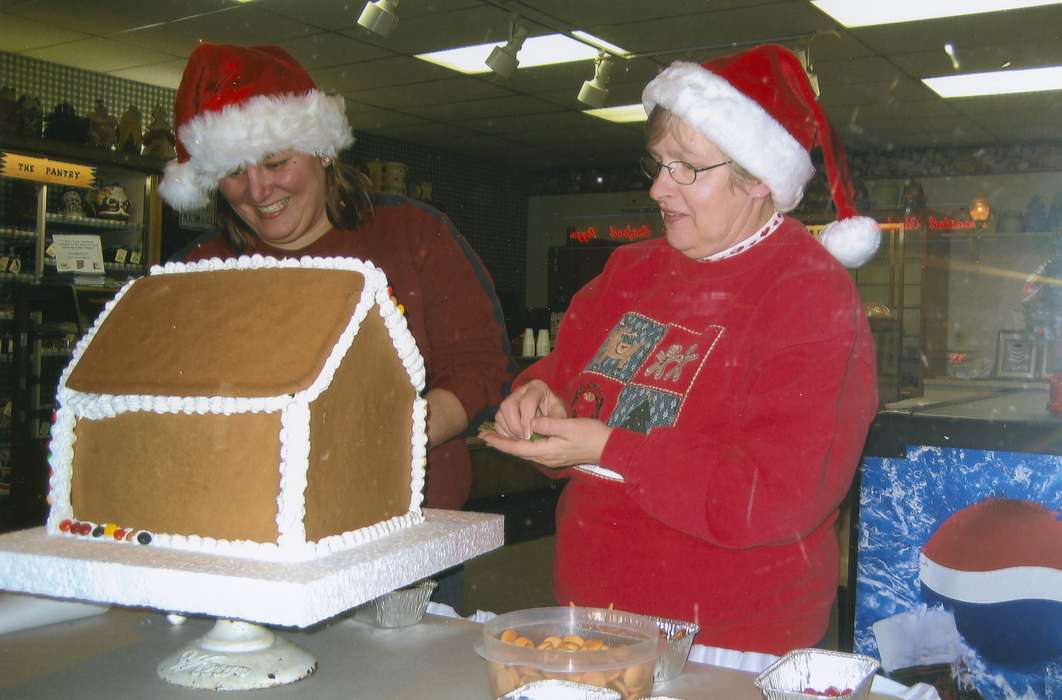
78, 253
53, 172
622, 234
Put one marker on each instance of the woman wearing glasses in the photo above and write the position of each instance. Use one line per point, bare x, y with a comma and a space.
711, 391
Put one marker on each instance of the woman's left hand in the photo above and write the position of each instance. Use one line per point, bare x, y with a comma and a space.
559, 442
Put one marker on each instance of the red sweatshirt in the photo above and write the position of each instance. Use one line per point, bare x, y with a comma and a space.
450, 307
740, 392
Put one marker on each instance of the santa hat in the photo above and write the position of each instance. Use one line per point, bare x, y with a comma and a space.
759, 108
236, 105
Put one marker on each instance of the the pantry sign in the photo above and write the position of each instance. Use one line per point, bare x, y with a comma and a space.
53, 172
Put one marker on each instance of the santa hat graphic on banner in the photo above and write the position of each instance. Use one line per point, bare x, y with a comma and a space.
236, 105
759, 108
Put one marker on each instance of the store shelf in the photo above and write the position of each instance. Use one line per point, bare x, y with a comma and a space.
89, 221
64, 150
17, 232
130, 268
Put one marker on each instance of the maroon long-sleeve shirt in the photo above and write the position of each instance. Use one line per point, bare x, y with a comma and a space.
451, 309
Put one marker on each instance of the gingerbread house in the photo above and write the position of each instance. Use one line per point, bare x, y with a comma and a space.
252, 407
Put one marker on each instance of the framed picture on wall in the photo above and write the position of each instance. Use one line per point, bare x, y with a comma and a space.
1015, 355
1050, 360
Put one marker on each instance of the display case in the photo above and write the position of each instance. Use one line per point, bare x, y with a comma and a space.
904, 289
75, 223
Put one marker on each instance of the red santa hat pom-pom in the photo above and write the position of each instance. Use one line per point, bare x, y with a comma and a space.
759, 107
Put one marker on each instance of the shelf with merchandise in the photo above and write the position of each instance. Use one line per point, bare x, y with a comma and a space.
93, 222
18, 233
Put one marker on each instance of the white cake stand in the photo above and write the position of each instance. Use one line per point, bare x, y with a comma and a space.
239, 653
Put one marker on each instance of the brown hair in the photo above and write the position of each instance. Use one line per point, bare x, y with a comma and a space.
348, 202
662, 120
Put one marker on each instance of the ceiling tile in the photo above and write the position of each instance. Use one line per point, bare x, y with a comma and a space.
396, 71
99, 54
715, 33
112, 15
243, 25
596, 13
436, 92
376, 119
20, 34
167, 74
327, 49
1037, 24
472, 109
529, 122
976, 59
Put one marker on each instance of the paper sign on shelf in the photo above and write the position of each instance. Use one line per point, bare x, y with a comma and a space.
78, 253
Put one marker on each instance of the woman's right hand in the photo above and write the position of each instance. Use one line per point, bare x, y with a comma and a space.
518, 409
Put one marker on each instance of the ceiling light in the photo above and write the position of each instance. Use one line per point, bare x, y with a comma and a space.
1001, 82
599, 43
804, 55
864, 14
622, 114
594, 92
537, 51
380, 17
502, 59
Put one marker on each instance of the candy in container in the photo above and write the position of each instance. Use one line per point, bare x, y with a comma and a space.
808, 674
592, 646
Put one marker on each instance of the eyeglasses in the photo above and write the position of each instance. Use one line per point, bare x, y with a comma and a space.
680, 171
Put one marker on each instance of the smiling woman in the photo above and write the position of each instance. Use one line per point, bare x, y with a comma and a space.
252, 124
709, 393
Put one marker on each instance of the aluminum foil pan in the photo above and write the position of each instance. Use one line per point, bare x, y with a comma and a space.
403, 607
679, 637
817, 669
560, 690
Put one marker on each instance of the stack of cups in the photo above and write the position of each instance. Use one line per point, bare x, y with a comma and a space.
542, 346
529, 343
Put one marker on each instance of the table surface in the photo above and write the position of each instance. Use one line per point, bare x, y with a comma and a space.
113, 657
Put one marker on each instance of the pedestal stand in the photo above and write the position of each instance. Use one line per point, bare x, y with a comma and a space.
237, 655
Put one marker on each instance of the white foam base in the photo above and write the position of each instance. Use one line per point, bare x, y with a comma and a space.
296, 594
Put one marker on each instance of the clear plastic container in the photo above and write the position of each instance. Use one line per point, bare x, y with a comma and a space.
632, 645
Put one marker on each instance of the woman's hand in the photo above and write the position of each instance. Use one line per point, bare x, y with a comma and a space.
520, 408
558, 442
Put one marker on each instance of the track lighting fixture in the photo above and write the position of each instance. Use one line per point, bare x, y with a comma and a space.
380, 17
502, 60
594, 92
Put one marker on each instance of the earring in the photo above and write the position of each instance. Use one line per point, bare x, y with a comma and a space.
326, 161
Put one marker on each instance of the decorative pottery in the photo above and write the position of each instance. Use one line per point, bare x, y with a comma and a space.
159, 140
394, 177
103, 127
110, 202
131, 131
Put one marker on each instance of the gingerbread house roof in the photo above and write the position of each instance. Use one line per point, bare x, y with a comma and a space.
239, 332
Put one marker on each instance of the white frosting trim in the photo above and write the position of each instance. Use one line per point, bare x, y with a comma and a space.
294, 412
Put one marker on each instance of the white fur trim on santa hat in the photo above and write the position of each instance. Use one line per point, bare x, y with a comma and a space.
737, 124
853, 241
241, 134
